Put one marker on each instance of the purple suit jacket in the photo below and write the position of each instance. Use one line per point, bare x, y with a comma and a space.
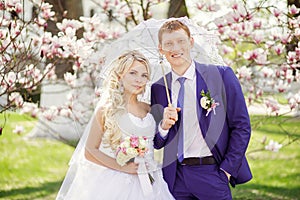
227, 133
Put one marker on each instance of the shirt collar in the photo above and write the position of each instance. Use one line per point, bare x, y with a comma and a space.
189, 73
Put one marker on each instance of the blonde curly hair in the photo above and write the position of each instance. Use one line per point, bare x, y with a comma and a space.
111, 96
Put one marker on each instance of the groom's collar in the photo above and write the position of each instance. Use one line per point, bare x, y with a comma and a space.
189, 73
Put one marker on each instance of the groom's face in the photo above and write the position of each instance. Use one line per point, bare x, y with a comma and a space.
176, 47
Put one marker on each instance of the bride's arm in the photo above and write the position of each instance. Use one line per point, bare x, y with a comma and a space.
92, 152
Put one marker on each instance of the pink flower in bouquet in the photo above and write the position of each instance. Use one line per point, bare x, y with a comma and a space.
134, 141
131, 147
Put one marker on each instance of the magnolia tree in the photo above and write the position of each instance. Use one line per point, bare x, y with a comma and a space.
22, 66
254, 40
260, 39
29, 55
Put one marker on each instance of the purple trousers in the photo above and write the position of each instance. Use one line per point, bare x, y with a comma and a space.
203, 182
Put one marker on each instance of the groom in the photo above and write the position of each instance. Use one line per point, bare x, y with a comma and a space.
206, 130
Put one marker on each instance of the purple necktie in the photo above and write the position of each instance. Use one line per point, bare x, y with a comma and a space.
180, 102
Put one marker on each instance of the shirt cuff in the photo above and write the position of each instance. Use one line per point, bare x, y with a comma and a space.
163, 133
227, 174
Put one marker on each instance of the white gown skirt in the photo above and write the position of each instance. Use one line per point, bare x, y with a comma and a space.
95, 182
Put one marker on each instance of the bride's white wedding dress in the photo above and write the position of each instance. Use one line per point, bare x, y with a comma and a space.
95, 182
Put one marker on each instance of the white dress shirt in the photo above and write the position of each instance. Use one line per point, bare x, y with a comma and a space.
194, 143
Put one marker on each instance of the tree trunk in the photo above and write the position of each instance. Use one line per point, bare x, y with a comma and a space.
177, 9
71, 9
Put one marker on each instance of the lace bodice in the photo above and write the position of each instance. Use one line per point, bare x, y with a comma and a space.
131, 125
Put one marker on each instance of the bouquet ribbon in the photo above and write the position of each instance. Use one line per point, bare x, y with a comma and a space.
143, 175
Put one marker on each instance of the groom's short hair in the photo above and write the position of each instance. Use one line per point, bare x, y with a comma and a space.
171, 26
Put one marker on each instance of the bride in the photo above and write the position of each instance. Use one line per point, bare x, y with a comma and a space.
114, 158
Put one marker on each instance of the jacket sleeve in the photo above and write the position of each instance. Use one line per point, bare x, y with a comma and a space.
238, 123
157, 112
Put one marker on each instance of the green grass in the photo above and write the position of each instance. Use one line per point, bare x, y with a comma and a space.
30, 168
276, 175
34, 168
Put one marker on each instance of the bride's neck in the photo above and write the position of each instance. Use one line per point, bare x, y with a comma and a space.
130, 100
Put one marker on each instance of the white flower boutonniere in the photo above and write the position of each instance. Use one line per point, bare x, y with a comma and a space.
208, 103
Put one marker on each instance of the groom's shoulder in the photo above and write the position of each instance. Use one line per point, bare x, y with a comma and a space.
160, 81
211, 67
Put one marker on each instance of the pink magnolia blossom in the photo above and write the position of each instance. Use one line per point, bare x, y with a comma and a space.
69, 23
213, 7
297, 32
292, 57
18, 129
252, 54
281, 86
65, 112
19, 8
244, 29
226, 49
259, 93
51, 113
200, 5
273, 146
46, 11
10, 78
258, 55
50, 72
279, 49
272, 105
292, 103
294, 23
294, 100
2, 5
293, 10
16, 98
70, 79
257, 37
243, 12
267, 72
244, 73
257, 24
250, 98
233, 37
276, 12
236, 17
285, 38
30, 108
234, 6
10, 4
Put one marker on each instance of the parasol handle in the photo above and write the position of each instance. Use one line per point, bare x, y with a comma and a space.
166, 84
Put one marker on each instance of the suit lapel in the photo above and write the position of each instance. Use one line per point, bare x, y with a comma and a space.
201, 85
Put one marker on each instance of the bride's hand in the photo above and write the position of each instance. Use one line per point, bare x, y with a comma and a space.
130, 168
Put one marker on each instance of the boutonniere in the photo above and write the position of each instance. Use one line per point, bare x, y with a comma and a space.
208, 103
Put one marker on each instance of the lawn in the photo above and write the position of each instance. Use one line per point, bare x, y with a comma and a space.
30, 168
276, 175
34, 168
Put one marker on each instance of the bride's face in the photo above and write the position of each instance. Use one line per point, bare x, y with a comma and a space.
135, 79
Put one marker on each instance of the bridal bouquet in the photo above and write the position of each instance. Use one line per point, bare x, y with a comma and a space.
130, 148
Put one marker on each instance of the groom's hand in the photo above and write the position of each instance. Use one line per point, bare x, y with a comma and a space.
170, 116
